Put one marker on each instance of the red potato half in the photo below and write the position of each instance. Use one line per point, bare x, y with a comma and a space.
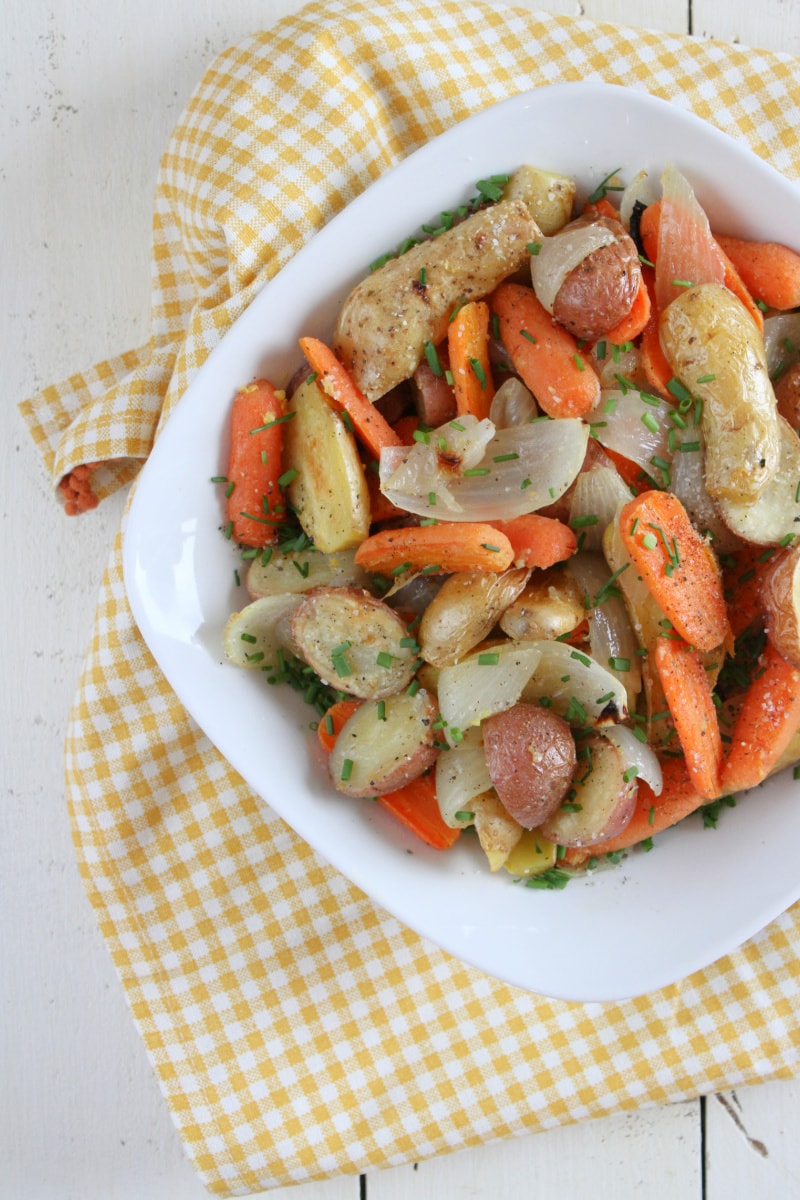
601, 800
780, 602
530, 753
384, 745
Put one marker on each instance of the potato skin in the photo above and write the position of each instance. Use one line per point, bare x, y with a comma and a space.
599, 292
530, 753
780, 601
708, 335
386, 320
465, 610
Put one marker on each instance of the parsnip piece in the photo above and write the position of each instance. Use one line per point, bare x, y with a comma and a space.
549, 197
329, 491
387, 319
380, 749
353, 642
717, 353
252, 638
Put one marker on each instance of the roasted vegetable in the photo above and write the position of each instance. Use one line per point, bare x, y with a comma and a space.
384, 745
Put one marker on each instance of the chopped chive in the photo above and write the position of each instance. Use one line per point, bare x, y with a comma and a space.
630, 774
505, 457
534, 248
433, 359
381, 710
649, 421
488, 659
383, 659
619, 664
478, 371
286, 478
218, 479
528, 337
475, 471
347, 769
463, 815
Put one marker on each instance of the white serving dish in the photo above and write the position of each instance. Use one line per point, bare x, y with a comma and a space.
622, 932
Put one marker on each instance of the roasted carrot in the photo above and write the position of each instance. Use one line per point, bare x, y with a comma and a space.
653, 814
741, 580
734, 283
691, 705
370, 427
634, 323
331, 724
468, 349
381, 508
255, 501
654, 361
770, 271
632, 474
545, 355
649, 223
766, 722
601, 208
538, 541
678, 566
416, 806
448, 546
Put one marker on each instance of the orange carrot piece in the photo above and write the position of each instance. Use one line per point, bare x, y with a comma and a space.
634, 323
601, 208
405, 428
766, 723
538, 541
632, 474
678, 566
648, 230
653, 814
691, 705
653, 359
544, 354
381, 508
741, 580
255, 502
449, 546
468, 348
734, 283
370, 427
335, 718
416, 806
770, 271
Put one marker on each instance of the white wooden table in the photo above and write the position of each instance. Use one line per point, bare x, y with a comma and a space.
90, 92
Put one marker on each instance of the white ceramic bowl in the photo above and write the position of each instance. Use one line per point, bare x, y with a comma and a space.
656, 917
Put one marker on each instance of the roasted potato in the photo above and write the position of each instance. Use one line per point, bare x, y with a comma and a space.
353, 641
387, 319
329, 491
498, 832
717, 353
530, 753
464, 611
550, 606
253, 637
599, 290
548, 197
601, 800
382, 748
780, 600
300, 571
775, 514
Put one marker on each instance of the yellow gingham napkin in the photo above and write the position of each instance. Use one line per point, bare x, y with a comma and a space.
296, 1029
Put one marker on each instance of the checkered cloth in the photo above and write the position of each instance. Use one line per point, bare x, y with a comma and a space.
297, 1030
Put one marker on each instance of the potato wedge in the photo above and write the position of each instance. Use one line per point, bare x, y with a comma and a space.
548, 197
301, 571
353, 642
550, 606
380, 749
464, 611
780, 599
498, 832
775, 514
252, 638
717, 353
532, 855
386, 320
329, 491
601, 800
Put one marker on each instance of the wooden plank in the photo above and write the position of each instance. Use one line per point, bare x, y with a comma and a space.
653, 1153
768, 25
667, 15
752, 1149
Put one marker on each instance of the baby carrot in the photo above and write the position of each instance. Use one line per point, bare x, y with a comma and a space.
544, 354
335, 718
370, 427
678, 566
255, 502
770, 271
468, 348
448, 547
734, 283
538, 541
416, 806
634, 323
691, 707
766, 723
